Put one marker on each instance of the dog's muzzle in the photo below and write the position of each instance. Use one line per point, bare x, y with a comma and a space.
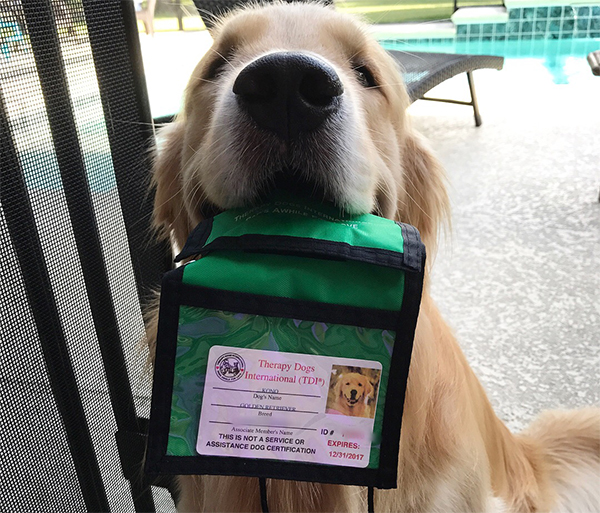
288, 93
353, 399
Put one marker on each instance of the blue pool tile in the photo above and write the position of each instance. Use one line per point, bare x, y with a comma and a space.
595, 34
514, 14
555, 12
541, 26
474, 29
528, 13
583, 11
596, 10
568, 12
582, 24
554, 26
461, 29
568, 25
500, 28
500, 37
513, 38
512, 27
541, 12
486, 38
527, 27
595, 24
488, 28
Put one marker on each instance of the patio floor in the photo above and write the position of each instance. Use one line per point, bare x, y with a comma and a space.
518, 277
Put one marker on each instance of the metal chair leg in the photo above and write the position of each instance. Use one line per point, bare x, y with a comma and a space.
474, 98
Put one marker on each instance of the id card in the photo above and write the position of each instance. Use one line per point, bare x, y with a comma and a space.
288, 406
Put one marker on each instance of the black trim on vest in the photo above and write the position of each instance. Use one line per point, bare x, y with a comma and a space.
274, 306
196, 240
164, 372
306, 246
414, 249
400, 363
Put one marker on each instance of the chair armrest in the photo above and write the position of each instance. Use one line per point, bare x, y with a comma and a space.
594, 60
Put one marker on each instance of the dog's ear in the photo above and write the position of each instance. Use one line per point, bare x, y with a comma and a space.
338, 386
170, 218
370, 388
420, 182
422, 198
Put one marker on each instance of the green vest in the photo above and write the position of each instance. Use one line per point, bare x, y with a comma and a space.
283, 351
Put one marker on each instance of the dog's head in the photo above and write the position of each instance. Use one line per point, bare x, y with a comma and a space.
353, 389
299, 97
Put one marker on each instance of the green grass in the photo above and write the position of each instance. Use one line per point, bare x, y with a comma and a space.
394, 11
404, 11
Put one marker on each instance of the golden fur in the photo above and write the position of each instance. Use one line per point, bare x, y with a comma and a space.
455, 454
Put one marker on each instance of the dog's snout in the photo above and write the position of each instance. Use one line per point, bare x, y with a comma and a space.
288, 93
353, 393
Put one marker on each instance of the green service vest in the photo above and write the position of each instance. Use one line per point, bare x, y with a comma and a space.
284, 346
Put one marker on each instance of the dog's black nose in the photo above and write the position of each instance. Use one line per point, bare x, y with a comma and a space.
288, 93
353, 394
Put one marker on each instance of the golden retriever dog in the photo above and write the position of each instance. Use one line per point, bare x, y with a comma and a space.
300, 97
352, 392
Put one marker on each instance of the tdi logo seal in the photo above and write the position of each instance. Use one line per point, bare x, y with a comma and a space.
230, 367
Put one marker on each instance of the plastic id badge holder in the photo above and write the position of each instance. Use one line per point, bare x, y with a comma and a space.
283, 352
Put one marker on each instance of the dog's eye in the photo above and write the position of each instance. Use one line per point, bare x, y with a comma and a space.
348, 383
220, 61
360, 384
216, 66
365, 77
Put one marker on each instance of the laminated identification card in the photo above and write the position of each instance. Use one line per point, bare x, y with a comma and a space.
288, 406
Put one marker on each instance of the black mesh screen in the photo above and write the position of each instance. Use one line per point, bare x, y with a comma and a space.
77, 257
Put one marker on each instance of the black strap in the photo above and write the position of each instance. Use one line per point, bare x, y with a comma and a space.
306, 247
262, 484
371, 499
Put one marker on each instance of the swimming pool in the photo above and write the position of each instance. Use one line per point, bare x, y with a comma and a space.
565, 59
557, 37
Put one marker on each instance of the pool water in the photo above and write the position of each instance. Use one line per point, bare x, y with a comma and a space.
564, 59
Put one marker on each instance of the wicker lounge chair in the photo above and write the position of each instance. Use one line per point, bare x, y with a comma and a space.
422, 70
594, 61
